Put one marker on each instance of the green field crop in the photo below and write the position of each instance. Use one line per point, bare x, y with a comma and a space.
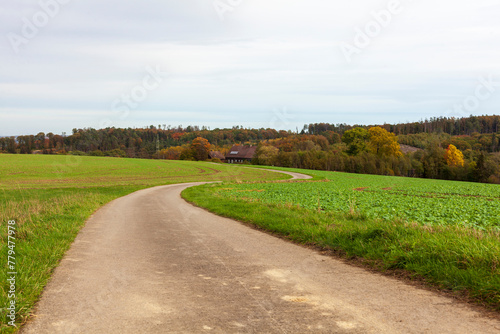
50, 197
429, 202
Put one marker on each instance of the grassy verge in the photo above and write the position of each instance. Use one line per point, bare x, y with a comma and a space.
50, 198
459, 259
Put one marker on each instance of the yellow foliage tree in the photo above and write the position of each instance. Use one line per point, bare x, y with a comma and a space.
171, 153
383, 142
453, 156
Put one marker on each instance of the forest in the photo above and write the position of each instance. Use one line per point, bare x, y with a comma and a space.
466, 149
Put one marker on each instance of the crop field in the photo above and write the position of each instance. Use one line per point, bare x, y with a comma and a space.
428, 202
50, 197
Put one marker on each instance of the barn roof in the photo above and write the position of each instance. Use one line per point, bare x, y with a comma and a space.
241, 152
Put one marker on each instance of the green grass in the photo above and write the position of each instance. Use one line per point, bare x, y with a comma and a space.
446, 233
50, 198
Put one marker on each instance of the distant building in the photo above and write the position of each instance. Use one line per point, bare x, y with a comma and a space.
240, 154
217, 155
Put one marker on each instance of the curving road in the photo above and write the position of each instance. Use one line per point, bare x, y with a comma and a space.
151, 263
295, 176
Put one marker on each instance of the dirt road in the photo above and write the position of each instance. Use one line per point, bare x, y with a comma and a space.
295, 176
151, 263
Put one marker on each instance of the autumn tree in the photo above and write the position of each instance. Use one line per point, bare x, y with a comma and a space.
200, 148
332, 137
11, 145
171, 153
453, 156
266, 155
356, 140
383, 142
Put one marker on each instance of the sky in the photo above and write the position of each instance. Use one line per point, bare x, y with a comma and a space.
68, 64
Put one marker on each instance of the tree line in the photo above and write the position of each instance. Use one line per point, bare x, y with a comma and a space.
450, 125
377, 151
465, 149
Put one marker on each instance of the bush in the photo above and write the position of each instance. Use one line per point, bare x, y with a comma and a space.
117, 153
76, 152
494, 179
96, 153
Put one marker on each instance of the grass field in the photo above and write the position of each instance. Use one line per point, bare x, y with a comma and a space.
50, 197
446, 233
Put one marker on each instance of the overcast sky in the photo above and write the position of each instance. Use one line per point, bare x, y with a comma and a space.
257, 63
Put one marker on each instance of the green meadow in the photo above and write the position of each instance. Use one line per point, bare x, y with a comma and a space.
50, 197
443, 233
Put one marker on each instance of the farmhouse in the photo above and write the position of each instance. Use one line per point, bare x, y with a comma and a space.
240, 154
